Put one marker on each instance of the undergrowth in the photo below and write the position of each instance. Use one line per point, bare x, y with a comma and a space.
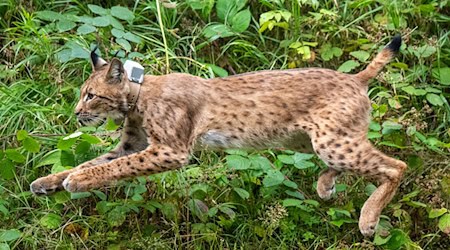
232, 199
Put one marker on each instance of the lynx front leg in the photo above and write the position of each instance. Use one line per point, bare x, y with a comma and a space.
155, 159
133, 140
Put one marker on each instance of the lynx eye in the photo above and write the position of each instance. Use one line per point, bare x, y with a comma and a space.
89, 97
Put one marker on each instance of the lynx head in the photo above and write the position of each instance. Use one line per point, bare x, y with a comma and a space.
104, 93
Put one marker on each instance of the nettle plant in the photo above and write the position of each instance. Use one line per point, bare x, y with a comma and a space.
114, 21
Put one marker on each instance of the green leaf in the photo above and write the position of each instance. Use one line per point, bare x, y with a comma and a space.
91, 139
228, 211
31, 145
67, 158
241, 21
80, 195
242, 193
50, 158
295, 194
97, 9
442, 75
390, 126
62, 197
10, 235
132, 37
117, 33
398, 239
292, 203
101, 21
218, 71
286, 159
7, 169
444, 224
238, 162
21, 135
434, 99
111, 125
115, 23
82, 148
214, 31
362, 56
124, 43
48, 15
289, 183
273, 178
327, 52
15, 156
122, 13
85, 29
64, 25
4, 246
348, 66
65, 144
100, 194
116, 217
434, 213
51, 221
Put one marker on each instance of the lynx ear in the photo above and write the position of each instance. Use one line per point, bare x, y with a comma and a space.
115, 71
96, 61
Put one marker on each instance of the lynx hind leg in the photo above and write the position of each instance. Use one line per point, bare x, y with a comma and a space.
360, 157
326, 183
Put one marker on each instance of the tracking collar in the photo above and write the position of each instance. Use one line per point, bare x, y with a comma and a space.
135, 74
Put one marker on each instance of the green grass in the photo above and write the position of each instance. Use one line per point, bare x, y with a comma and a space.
209, 205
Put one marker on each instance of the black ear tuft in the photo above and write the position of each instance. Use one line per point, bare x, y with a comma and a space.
96, 61
115, 72
395, 44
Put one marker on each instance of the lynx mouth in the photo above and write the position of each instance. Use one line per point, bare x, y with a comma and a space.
89, 120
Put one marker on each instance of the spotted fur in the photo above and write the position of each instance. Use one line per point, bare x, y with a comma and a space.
310, 109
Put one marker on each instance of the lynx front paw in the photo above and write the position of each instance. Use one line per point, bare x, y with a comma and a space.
368, 226
77, 183
46, 185
325, 191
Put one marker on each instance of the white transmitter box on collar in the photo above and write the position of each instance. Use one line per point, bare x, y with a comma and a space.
134, 70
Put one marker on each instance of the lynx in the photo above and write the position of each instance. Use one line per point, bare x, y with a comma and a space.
167, 117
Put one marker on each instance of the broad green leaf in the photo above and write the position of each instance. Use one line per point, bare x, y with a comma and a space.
115, 23
238, 162
21, 135
64, 25
361, 55
260, 162
67, 158
7, 169
97, 9
434, 213
292, 203
4, 246
122, 13
117, 33
50, 158
228, 211
442, 75
390, 126
348, 66
295, 194
398, 239
218, 71
91, 139
100, 194
286, 159
132, 37
116, 217
327, 52
51, 221
273, 178
236, 152
80, 195
65, 144
85, 29
82, 148
10, 235
48, 15
242, 193
444, 224
124, 43
101, 21
215, 31
31, 145
434, 99
241, 21
15, 156
289, 183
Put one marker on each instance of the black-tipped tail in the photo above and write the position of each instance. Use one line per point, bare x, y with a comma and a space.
395, 44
